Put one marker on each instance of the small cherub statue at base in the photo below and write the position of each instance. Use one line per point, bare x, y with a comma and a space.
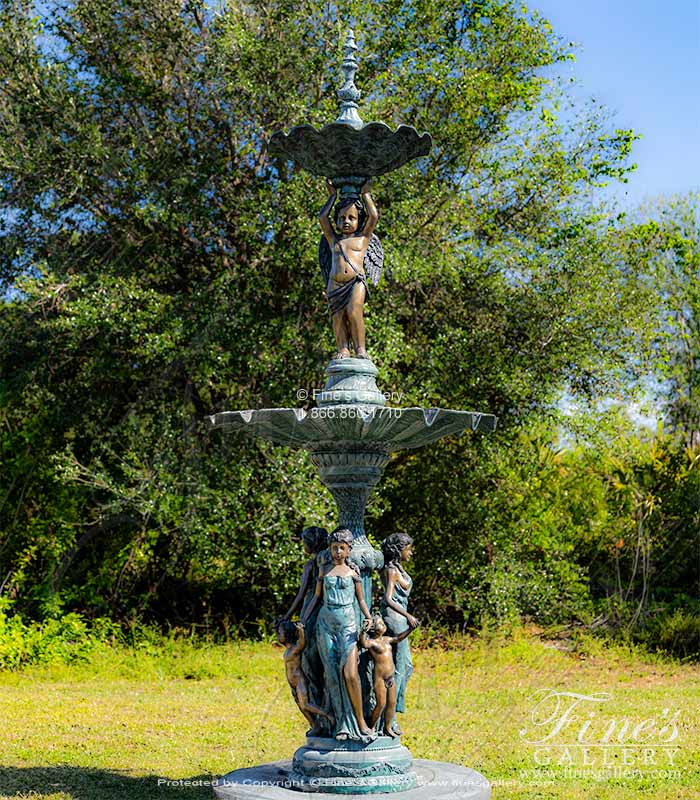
347, 258
291, 634
380, 649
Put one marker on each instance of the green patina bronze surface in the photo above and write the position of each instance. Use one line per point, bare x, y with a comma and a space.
337, 150
358, 665
347, 151
349, 767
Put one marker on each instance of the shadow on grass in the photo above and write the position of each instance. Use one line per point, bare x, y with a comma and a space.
84, 783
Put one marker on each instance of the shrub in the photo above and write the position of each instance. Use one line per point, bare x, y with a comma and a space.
677, 633
64, 640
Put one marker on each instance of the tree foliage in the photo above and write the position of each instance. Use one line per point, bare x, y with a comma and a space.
160, 267
673, 232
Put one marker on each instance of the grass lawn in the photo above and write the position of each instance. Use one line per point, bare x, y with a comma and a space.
130, 724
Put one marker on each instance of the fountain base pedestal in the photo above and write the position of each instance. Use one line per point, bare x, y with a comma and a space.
327, 765
436, 780
351, 381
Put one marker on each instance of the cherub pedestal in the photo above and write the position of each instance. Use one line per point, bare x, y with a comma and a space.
350, 436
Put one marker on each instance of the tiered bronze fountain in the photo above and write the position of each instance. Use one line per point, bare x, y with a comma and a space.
347, 669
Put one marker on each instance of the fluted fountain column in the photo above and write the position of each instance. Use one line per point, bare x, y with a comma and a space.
350, 470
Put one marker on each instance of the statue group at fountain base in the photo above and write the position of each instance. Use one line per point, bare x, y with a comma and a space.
347, 668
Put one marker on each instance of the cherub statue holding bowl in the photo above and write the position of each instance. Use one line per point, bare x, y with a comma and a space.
347, 258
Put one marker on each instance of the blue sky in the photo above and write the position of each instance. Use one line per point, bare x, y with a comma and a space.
642, 60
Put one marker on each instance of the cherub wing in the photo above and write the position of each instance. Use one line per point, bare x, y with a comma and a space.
325, 259
374, 259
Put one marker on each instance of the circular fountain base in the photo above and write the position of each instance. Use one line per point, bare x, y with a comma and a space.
350, 767
436, 780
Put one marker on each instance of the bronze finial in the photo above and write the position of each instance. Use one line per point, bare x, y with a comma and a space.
348, 93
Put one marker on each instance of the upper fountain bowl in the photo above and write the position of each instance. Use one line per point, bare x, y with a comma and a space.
339, 149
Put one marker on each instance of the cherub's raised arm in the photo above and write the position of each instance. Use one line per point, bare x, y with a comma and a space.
372, 213
324, 215
363, 640
402, 635
301, 641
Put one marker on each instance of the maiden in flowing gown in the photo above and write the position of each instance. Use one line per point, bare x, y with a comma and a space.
336, 636
398, 549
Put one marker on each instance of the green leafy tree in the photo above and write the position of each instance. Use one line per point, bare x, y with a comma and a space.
677, 226
161, 267
643, 553
497, 533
